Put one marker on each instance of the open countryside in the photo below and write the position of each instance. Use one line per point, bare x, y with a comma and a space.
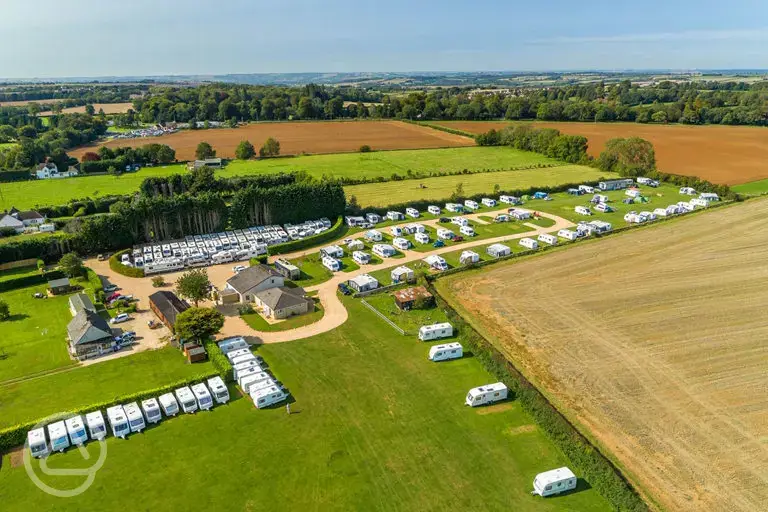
665, 366
720, 154
297, 138
108, 108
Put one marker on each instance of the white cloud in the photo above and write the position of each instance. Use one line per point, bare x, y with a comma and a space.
688, 35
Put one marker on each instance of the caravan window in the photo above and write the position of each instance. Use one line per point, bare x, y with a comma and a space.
548, 488
98, 429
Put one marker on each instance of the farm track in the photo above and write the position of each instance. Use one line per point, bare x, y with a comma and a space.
656, 342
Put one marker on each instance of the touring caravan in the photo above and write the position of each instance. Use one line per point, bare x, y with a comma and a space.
587, 189
422, 238
246, 382
218, 390
633, 193
265, 397
603, 208
445, 234
568, 234
688, 191
242, 359
331, 264
401, 243
118, 422
435, 331
467, 230
57, 433
384, 250
468, 257
230, 344
237, 353
169, 404
486, 394
135, 418
395, 216
244, 366
471, 205
446, 352
96, 426
582, 210
554, 482
412, 212
454, 207
203, 396
487, 201
436, 262
38, 446
510, 200
151, 410
373, 236
76, 430
547, 239
396, 230
186, 399
361, 258
434, 210
529, 243
460, 221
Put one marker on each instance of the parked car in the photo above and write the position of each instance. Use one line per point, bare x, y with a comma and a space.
238, 268
101, 257
122, 317
438, 243
444, 220
343, 288
111, 288
458, 239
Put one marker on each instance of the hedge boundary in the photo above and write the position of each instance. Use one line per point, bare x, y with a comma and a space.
116, 266
336, 231
14, 436
219, 361
23, 282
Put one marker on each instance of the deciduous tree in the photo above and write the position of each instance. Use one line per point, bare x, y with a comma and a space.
245, 150
271, 147
193, 285
204, 151
72, 265
199, 324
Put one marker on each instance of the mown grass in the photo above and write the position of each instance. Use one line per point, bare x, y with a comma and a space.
375, 426
754, 188
257, 322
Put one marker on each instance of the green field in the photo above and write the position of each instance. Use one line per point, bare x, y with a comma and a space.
441, 188
377, 164
255, 321
375, 427
754, 188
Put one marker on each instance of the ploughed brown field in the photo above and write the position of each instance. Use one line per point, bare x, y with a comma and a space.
720, 154
297, 137
655, 342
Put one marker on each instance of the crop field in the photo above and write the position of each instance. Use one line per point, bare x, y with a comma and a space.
374, 426
108, 108
395, 192
721, 154
27, 194
655, 342
307, 137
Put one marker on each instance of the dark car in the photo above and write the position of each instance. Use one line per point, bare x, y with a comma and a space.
444, 220
343, 288
458, 239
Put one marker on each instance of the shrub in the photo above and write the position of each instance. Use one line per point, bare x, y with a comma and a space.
5, 311
245, 309
365, 148
219, 361
158, 281
259, 260
116, 266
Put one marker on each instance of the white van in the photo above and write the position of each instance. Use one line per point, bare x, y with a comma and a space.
446, 352
151, 410
169, 404
57, 433
243, 358
118, 421
249, 380
203, 396
186, 399
230, 344
38, 446
135, 418
96, 426
218, 390
237, 353
265, 397
76, 430
486, 394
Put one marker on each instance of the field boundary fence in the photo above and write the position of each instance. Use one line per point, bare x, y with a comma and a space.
383, 317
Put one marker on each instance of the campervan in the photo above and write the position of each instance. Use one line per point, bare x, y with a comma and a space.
57, 433
554, 482
76, 430
118, 422
246, 382
151, 410
229, 344
446, 352
237, 353
218, 390
529, 243
486, 394
547, 239
265, 397
568, 234
38, 446
186, 399
135, 418
467, 230
435, 331
434, 210
203, 396
96, 427
169, 404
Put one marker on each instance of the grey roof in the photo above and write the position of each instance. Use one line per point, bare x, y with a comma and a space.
284, 297
83, 321
28, 215
169, 305
57, 283
81, 301
252, 276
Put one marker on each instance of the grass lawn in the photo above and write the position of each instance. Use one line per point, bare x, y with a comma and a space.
375, 426
409, 321
79, 387
754, 188
258, 323
441, 188
15, 273
312, 270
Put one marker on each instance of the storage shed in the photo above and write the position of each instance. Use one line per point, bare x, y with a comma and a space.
59, 286
413, 298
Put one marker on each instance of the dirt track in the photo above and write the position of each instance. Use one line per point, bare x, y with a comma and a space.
656, 342
297, 137
720, 154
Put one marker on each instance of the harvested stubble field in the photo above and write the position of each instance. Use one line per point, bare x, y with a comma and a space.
720, 154
656, 343
302, 137
108, 108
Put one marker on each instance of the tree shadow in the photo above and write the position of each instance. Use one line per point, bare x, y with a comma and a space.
17, 317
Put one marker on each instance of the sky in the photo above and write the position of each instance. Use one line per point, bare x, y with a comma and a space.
91, 38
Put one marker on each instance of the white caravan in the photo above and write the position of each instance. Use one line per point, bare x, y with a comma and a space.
250, 380
169, 404
244, 358
118, 422
554, 482
468, 257
434, 210
230, 344
529, 243
446, 352
510, 200
96, 426
238, 369
57, 433
237, 353
582, 210
218, 390
568, 234
331, 264
203, 396
265, 397
548, 239
412, 212
135, 418
487, 201
435, 331
38, 446
422, 238
151, 410
186, 399
76, 430
401, 243
471, 205
467, 230
486, 394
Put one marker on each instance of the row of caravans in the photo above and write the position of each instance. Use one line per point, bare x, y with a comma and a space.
251, 374
124, 419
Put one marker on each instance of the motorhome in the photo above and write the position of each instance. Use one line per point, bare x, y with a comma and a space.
151, 410
446, 352
118, 422
529, 243
486, 394
135, 418
186, 399
433, 209
547, 239
265, 397
568, 234
435, 331
412, 212
96, 426
57, 433
554, 482
38, 445
76, 430
467, 230
237, 353
229, 344
218, 390
203, 396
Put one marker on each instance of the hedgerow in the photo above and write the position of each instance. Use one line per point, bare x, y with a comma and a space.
116, 266
337, 230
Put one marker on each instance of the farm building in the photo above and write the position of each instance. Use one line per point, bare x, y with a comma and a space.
471, 205
554, 482
422, 238
79, 302
354, 221
213, 163
498, 250
355, 245
401, 243
252, 280
568, 234
373, 218
445, 234
167, 306
520, 214
402, 274
468, 257
547, 239
487, 201
413, 298
454, 207
582, 210
384, 250
287, 269
373, 236
392, 215
434, 210
616, 184
362, 258
363, 283
89, 335
412, 212
436, 262
435, 331
529, 243
332, 251
59, 286
331, 264
510, 200
284, 302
